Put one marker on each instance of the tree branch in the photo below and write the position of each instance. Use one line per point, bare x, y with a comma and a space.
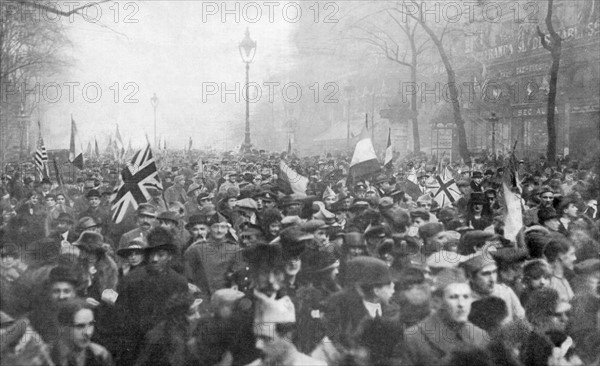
58, 11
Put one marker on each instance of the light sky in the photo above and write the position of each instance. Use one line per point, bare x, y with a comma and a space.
170, 51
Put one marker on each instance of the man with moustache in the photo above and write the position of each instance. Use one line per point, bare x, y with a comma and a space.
146, 218
144, 292
207, 264
447, 329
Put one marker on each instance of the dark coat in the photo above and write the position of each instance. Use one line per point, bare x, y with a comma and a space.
141, 303
432, 340
207, 263
345, 311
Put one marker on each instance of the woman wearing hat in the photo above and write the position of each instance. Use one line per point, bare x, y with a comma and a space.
102, 268
479, 213
134, 256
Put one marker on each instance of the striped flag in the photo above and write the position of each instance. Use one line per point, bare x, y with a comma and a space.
75, 153
139, 175
41, 159
389, 152
364, 161
290, 181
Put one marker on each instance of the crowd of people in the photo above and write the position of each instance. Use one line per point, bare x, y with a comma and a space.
227, 266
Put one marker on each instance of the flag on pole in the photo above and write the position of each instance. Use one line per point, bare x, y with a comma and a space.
110, 149
88, 151
96, 149
447, 193
41, 158
119, 145
389, 152
364, 161
290, 181
129, 149
59, 179
139, 175
75, 154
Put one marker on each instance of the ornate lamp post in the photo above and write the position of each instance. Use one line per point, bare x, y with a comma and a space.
247, 49
154, 102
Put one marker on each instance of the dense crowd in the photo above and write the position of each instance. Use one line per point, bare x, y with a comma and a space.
227, 266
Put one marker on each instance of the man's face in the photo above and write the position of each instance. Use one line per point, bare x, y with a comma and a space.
568, 259
478, 180
204, 201
422, 181
232, 178
61, 200
199, 230
167, 224
477, 207
384, 293
540, 282
321, 236
50, 201
418, 222
45, 187
145, 222
571, 211
34, 199
547, 198
158, 260
218, 230
82, 329
455, 303
330, 200
485, 279
62, 291
63, 226
268, 280
425, 205
491, 198
552, 224
560, 318
294, 209
94, 201
272, 346
356, 251
293, 266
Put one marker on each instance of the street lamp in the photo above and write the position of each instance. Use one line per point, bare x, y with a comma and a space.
247, 49
493, 119
154, 102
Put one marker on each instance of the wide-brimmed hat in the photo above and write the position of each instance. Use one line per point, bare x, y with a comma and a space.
86, 223
65, 217
138, 243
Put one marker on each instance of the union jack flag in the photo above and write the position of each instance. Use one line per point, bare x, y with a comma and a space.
447, 193
139, 175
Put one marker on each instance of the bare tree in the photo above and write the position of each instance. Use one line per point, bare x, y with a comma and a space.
553, 44
438, 41
393, 50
